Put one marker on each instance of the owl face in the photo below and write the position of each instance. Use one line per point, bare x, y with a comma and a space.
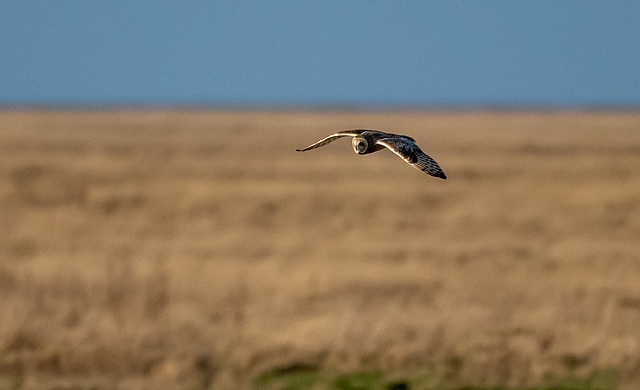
360, 145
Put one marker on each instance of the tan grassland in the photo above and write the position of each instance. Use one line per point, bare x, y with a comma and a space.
197, 249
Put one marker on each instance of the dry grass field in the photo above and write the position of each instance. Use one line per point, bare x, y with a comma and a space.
196, 249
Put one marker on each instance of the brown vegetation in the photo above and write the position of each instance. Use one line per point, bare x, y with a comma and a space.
197, 249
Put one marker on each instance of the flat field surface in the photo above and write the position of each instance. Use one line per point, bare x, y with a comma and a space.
197, 249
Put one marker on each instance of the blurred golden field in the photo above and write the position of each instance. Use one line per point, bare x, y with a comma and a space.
197, 249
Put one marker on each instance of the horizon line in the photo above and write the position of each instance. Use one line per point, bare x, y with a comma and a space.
319, 107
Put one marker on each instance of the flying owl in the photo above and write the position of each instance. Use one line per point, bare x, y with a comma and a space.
369, 141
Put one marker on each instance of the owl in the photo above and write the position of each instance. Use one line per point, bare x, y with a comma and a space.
369, 141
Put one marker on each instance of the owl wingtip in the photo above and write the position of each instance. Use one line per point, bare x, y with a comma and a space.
440, 175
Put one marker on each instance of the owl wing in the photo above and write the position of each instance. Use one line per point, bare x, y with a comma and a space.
410, 152
331, 138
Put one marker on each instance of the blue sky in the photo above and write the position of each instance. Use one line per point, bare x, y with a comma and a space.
432, 53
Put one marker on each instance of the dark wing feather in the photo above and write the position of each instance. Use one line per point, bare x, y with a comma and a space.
410, 152
331, 138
